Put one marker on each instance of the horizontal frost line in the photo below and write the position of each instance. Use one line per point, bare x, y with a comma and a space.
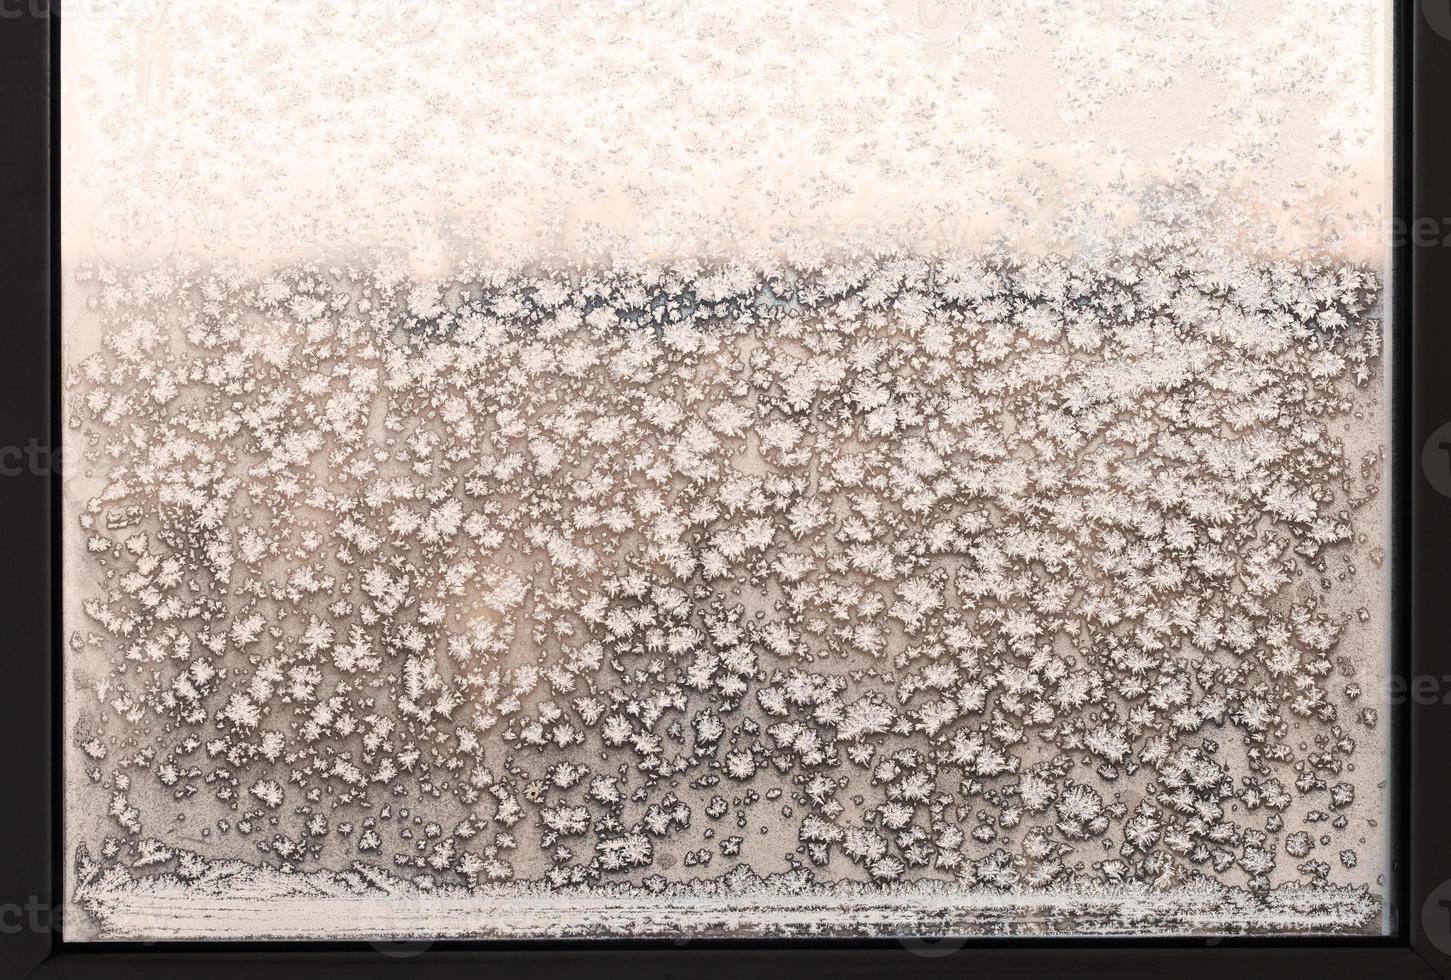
127, 915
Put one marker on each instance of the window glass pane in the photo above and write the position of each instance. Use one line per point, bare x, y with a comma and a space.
658, 468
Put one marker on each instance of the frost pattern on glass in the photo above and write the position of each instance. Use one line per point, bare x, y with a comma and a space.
940, 581
761, 483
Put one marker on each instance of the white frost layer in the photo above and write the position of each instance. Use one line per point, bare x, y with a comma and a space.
538, 128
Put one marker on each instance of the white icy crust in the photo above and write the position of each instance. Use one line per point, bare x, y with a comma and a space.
228, 899
531, 130
976, 577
